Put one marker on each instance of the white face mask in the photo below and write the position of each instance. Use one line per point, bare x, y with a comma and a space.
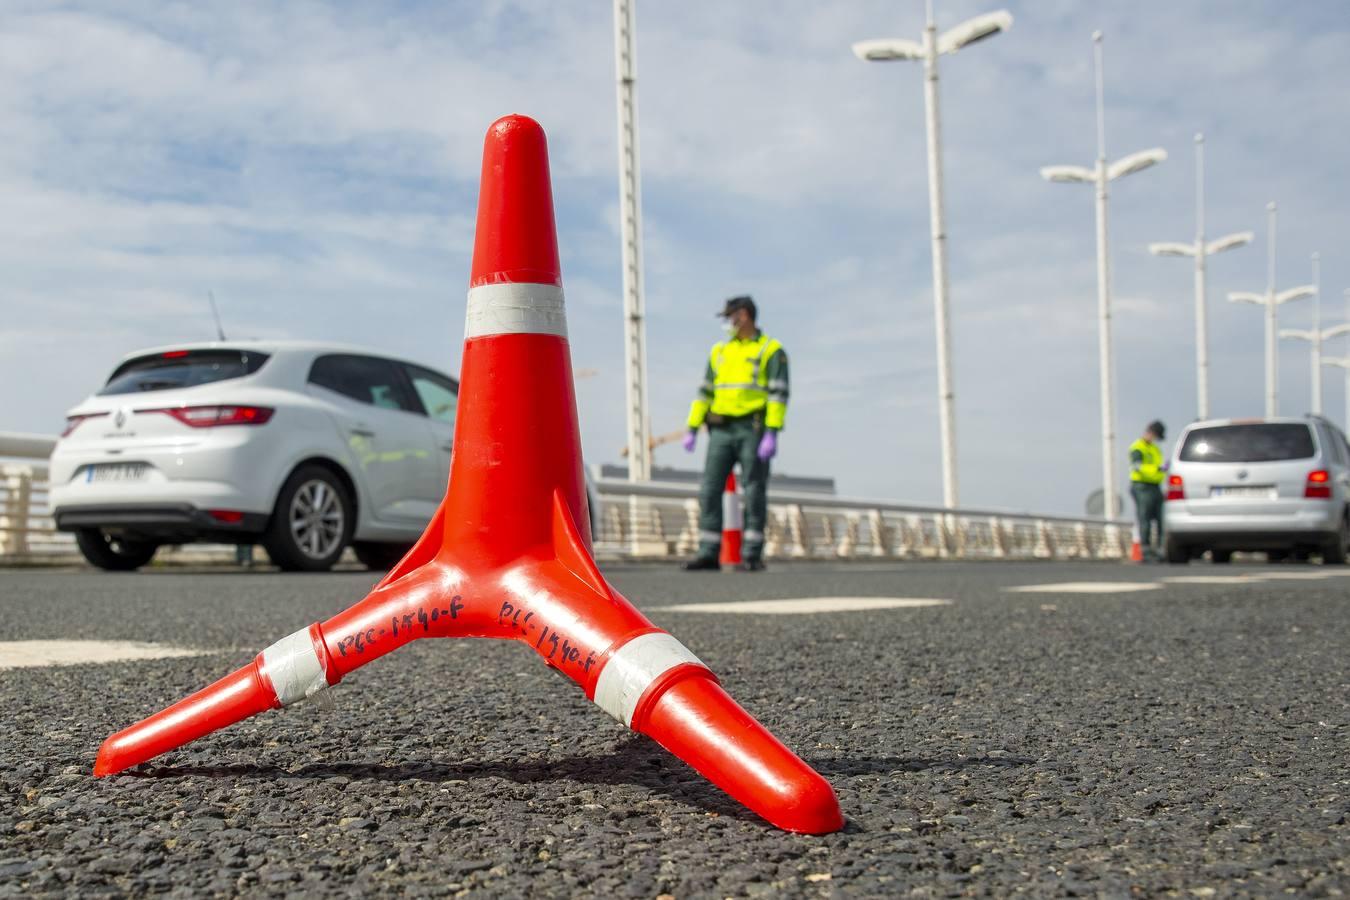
730, 329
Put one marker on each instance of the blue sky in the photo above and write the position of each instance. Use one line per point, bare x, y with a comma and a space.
315, 165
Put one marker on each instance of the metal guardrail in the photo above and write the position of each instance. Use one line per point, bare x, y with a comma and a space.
655, 520
658, 520
26, 528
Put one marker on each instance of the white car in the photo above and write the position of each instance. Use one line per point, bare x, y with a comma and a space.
302, 447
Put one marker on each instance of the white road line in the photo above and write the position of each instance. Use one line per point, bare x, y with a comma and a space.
29, 654
1086, 587
1127, 587
1298, 576
803, 605
1210, 579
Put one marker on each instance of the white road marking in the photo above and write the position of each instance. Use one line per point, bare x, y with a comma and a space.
1298, 576
1086, 587
805, 605
1209, 579
28, 654
1126, 587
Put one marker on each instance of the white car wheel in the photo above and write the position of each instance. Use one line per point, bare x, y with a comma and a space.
312, 522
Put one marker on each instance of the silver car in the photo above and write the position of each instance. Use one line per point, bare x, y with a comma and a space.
1280, 485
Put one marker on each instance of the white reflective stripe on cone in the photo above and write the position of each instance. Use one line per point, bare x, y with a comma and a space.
633, 668
294, 668
731, 511
515, 309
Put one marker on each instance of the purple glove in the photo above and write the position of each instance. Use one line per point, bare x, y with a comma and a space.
689, 440
768, 445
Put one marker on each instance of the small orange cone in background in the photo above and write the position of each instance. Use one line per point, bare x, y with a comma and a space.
508, 554
732, 524
1136, 549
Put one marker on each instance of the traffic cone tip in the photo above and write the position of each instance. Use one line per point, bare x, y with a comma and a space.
515, 241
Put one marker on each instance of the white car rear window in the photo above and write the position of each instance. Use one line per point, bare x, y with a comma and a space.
181, 369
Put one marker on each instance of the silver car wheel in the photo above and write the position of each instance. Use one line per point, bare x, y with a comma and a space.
317, 520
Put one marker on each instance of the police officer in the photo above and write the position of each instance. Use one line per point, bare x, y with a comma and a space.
743, 401
1146, 478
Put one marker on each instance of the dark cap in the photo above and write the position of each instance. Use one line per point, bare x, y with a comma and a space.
735, 303
1157, 428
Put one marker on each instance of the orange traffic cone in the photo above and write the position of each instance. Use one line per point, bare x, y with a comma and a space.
1136, 549
732, 523
508, 554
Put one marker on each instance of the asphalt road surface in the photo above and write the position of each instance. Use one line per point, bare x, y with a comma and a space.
1186, 738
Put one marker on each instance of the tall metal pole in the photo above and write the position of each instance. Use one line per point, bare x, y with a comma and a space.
1201, 296
942, 321
630, 228
1272, 349
1317, 335
1104, 301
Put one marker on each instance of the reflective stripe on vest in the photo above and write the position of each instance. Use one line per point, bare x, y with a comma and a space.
741, 385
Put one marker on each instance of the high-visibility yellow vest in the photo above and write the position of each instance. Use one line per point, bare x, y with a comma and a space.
1146, 462
738, 384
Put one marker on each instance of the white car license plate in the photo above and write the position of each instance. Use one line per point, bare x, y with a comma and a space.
1244, 492
105, 472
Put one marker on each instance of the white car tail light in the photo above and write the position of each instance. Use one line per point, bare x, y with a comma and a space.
211, 416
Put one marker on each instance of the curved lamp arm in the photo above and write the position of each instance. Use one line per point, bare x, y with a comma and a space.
1068, 174
972, 30
1135, 162
1228, 242
1168, 248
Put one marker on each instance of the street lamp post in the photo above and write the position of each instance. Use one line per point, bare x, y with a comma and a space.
1272, 301
1316, 336
1199, 250
630, 229
1100, 175
1341, 361
1344, 363
934, 45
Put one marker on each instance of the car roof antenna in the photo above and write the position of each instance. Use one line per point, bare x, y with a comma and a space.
215, 313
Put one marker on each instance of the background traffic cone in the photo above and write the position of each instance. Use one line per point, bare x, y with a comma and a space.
732, 523
508, 554
1136, 550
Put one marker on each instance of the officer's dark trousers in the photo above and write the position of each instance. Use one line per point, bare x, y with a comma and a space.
734, 441
1148, 506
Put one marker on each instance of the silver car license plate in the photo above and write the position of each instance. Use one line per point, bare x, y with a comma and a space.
105, 472
1244, 492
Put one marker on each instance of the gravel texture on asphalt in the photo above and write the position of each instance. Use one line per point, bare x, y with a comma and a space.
1190, 741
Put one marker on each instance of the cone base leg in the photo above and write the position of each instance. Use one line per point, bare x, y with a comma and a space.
233, 698
697, 720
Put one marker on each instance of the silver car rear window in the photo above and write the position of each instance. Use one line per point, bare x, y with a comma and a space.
1255, 442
